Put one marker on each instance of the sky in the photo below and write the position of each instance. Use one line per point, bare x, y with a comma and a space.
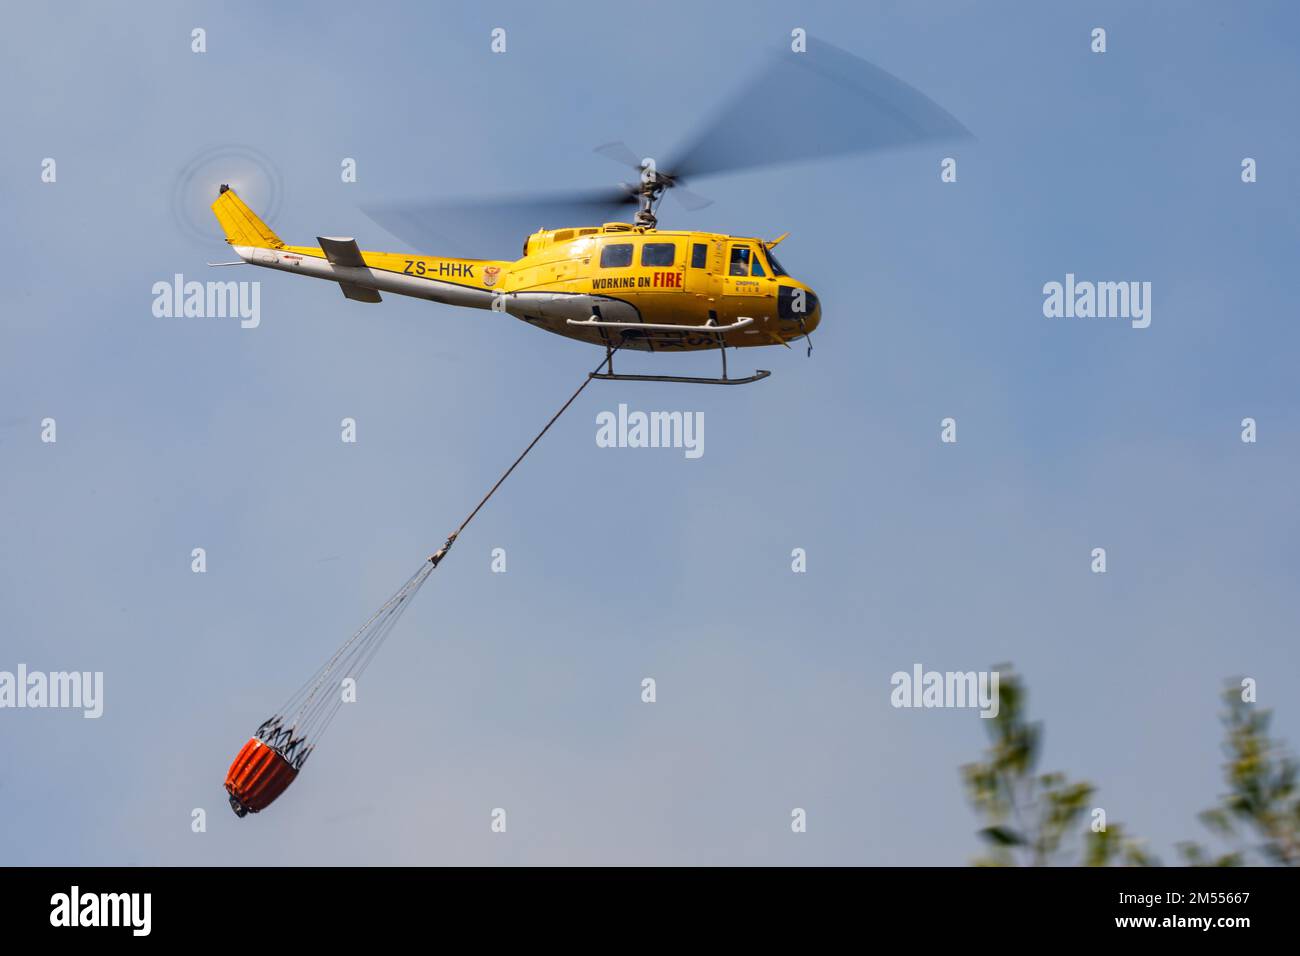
522, 690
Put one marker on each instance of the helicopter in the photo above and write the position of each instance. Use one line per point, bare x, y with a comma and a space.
631, 285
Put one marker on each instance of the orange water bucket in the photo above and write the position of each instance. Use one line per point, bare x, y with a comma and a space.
258, 775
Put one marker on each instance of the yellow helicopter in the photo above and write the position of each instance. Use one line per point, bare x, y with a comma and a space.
631, 285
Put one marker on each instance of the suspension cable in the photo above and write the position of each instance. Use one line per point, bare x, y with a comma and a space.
304, 717
442, 552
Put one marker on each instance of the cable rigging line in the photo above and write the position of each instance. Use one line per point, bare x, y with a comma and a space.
296, 727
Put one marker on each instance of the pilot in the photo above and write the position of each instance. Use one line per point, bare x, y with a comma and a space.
739, 261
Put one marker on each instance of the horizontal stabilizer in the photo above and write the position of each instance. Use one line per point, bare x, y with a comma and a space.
341, 252
360, 292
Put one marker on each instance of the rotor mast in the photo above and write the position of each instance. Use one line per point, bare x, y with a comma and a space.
649, 192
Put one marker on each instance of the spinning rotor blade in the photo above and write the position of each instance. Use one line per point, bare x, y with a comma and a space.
619, 153
494, 227
810, 105
800, 106
688, 199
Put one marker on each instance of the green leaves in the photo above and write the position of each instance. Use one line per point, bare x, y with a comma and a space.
1002, 836
1261, 802
1034, 818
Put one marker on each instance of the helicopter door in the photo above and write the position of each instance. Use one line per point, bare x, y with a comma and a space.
747, 287
704, 269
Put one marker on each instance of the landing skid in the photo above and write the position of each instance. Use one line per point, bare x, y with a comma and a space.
719, 330
758, 375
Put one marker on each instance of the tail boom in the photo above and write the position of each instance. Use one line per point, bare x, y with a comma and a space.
361, 275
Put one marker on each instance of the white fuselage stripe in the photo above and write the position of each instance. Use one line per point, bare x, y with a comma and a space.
419, 287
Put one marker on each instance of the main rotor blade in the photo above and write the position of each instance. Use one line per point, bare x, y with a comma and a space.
493, 227
689, 200
619, 152
808, 105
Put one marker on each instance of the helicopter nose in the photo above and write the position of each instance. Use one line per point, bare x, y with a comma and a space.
814, 310
799, 303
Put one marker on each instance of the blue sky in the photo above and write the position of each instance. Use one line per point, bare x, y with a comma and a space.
522, 690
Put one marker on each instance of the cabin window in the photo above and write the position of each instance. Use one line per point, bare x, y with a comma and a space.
739, 261
617, 256
700, 255
658, 253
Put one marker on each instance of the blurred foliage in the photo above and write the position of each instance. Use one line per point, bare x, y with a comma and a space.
1032, 818
1040, 819
1260, 814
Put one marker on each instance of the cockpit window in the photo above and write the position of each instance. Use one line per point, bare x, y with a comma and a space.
758, 267
776, 266
617, 256
739, 261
